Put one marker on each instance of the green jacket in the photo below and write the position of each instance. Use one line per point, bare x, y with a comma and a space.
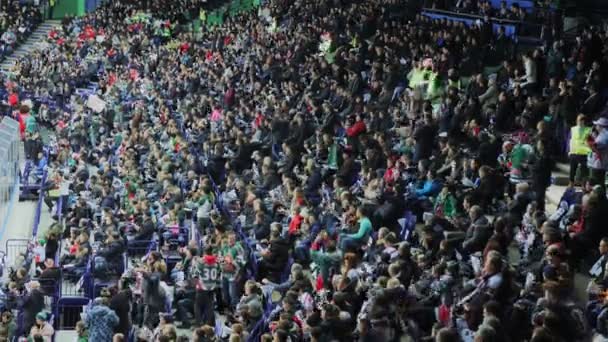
446, 204
365, 229
237, 254
325, 261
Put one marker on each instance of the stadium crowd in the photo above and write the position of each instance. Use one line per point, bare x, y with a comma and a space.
349, 170
17, 22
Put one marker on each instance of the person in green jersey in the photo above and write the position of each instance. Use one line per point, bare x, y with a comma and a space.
207, 274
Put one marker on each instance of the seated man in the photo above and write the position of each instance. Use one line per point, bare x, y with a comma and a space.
109, 258
478, 233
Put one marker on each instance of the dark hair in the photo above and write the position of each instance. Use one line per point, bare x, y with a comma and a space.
492, 307
281, 335
447, 335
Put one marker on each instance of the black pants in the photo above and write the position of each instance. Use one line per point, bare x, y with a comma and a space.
540, 197
185, 307
577, 160
204, 306
598, 177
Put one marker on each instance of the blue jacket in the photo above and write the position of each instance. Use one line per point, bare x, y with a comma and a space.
430, 188
100, 321
41, 165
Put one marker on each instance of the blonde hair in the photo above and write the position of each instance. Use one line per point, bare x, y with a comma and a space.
393, 283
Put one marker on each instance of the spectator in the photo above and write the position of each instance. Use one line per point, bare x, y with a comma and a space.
599, 146
579, 149
7, 327
42, 328
100, 321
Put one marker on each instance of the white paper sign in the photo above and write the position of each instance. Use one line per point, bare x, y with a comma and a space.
96, 104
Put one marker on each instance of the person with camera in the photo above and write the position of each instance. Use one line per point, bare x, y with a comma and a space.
42, 327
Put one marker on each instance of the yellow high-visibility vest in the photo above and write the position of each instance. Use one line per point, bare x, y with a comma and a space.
578, 140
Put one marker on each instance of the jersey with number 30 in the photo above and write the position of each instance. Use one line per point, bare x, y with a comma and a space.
208, 273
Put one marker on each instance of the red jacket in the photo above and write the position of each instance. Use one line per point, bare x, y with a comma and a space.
356, 129
294, 225
13, 99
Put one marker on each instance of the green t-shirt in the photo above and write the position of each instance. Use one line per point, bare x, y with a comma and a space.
365, 229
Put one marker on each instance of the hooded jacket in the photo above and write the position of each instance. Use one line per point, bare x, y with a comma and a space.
100, 322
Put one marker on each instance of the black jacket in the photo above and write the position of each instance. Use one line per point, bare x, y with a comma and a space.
113, 254
279, 254
50, 249
121, 304
33, 303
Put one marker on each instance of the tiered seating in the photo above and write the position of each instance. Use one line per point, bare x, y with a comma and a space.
510, 28
527, 5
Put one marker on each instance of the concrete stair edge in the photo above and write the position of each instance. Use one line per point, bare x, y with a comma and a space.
32, 42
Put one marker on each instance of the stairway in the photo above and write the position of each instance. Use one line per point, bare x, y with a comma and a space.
36, 37
560, 177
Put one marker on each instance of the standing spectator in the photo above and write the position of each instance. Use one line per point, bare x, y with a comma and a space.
100, 321
541, 173
598, 159
579, 149
207, 270
275, 257
121, 304
33, 303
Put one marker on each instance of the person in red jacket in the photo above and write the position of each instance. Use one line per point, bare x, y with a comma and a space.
356, 128
13, 99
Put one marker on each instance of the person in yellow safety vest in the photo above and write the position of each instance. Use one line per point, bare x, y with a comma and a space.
579, 148
51, 7
202, 15
433, 89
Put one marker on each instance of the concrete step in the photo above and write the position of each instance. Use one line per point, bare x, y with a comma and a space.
563, 167
554, 194
35, 38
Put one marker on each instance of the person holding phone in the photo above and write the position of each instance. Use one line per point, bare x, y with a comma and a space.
42, 328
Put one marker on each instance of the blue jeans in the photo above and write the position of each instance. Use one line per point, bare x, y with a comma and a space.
347, 243
301, 252
230, 293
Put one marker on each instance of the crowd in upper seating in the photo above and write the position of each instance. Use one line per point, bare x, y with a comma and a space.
17, 22
323, 171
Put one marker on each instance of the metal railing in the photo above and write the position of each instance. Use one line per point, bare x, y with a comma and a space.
10, 161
